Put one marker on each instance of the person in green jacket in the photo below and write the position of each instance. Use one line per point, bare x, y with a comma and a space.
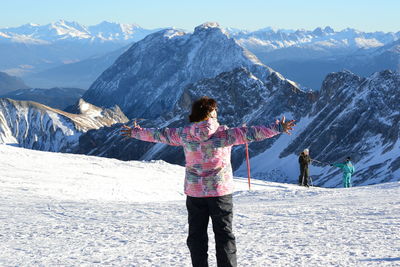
348, 169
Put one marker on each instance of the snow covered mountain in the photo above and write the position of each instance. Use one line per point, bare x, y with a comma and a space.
242, 98
158, 89
150, 77
44, 55
72, 31
151, 80
308, 56
272, 45
36, 126
245, 97
58, 98
32, 48
350, 116
9, 83
354, 116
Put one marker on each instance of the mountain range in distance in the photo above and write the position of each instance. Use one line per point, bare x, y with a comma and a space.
68, 54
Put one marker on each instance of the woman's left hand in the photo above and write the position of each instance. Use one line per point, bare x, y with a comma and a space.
287, 126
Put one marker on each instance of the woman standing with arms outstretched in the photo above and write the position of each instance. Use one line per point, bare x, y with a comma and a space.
209, 178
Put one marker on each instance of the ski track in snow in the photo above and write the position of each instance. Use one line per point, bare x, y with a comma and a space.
131, 223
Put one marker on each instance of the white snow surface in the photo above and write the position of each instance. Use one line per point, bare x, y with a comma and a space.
75, 210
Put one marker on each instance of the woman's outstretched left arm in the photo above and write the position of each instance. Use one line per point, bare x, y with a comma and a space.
242, 135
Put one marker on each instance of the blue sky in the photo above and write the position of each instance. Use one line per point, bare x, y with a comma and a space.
366, 15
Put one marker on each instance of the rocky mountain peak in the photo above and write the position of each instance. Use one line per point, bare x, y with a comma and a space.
328, 29
318, 31
206, 26
336, 82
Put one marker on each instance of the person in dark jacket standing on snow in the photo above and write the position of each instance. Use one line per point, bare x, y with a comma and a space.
304, 161
209, 179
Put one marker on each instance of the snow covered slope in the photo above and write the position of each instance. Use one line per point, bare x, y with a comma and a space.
36, 126
73, 210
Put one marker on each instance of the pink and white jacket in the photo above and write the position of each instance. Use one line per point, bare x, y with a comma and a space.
207, 147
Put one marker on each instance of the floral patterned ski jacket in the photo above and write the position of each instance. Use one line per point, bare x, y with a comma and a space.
207, 147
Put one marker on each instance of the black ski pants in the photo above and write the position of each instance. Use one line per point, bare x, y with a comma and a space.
220, 211
303, 178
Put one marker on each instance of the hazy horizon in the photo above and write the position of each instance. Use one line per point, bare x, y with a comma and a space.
366, 15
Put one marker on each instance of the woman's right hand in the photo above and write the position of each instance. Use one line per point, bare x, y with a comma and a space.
126, 131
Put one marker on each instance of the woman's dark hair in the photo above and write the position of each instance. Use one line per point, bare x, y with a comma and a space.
201, 108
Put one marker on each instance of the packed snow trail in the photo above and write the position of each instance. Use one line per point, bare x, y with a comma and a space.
74, 210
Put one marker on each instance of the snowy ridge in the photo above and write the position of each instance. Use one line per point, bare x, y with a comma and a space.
63, 209
36, 126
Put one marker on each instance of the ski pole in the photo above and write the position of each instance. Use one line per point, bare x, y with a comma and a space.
320, 162
247, 159
248, 164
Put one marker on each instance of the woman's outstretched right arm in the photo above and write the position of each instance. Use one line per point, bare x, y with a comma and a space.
169, 136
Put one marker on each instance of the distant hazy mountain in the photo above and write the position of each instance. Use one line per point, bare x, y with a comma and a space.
31, 48
9, 83
73, 31
80, 74
59, 98
308, 56
363, 62
269, 44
